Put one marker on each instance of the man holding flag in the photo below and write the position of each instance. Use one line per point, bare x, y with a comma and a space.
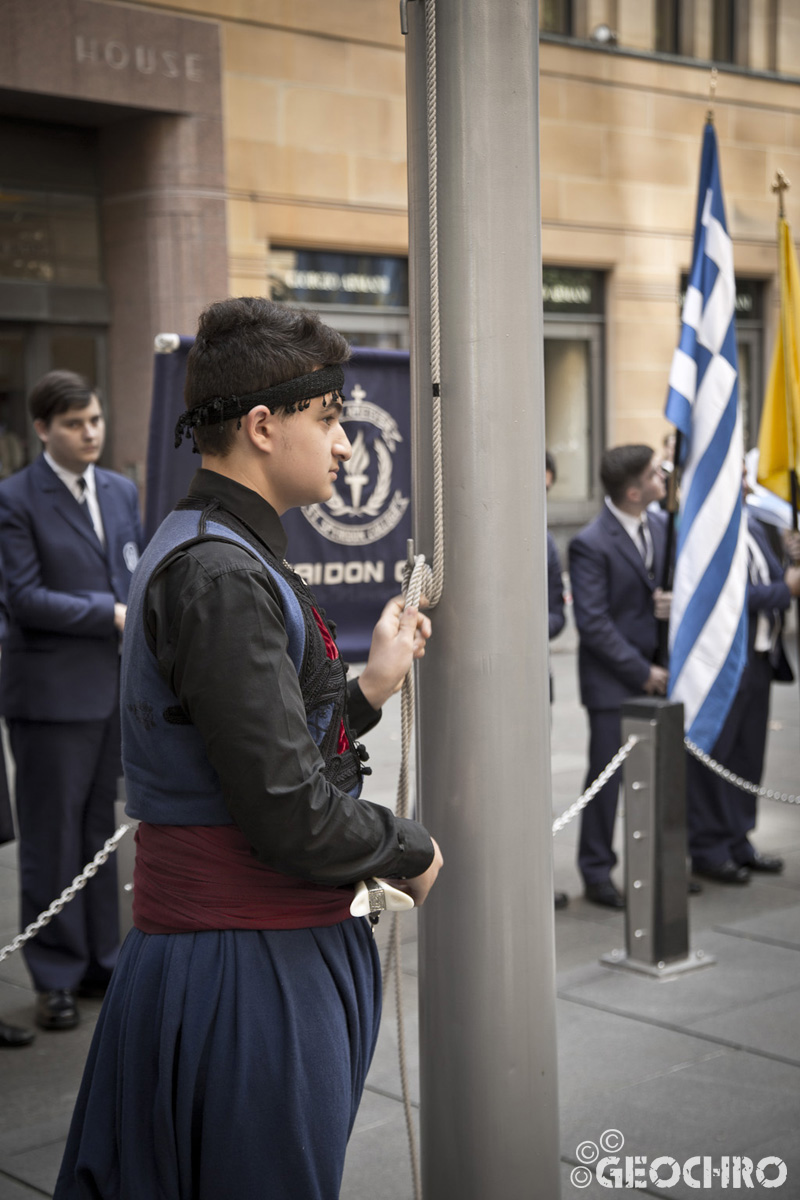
708, 624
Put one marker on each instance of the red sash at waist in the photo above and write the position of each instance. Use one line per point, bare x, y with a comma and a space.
200, 877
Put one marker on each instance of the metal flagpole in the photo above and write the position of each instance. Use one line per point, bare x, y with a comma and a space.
780, 186
489, 1103
668, 573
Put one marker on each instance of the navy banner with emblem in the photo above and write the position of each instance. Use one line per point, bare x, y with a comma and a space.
351, 550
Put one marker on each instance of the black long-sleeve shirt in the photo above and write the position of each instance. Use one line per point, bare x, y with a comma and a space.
215, 623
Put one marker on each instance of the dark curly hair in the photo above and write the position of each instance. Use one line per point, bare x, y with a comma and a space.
246, 344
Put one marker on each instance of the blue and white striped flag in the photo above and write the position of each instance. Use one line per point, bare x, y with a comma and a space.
708, 622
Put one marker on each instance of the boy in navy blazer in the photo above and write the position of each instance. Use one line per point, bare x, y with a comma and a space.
71, 535
615, 564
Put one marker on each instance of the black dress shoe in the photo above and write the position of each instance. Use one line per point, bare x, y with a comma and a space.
13, 1036
727, 872
769, 863
560, 899
694, 888
56, 1009
605, 894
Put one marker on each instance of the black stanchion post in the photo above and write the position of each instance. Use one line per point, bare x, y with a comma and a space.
657, 909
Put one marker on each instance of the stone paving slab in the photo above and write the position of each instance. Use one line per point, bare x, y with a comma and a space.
378, 1163
617, 1053
722, 905
11, 1189
779, 927
582, 938
730, 1103
741, 976
38, 1167
768, 1026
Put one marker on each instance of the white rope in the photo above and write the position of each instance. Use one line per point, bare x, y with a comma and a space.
421, 579
69, 893
436, 582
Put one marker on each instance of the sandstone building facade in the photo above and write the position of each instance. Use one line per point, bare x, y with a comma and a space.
157, 155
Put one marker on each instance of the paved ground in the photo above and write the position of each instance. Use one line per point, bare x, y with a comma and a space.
705, 1064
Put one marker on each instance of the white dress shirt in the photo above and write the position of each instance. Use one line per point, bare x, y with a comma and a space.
632, 524
87, 496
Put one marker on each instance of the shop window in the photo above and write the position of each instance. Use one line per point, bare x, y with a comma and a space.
49, 238
667, 33
573, 346
555, 16
723, 31
730, 31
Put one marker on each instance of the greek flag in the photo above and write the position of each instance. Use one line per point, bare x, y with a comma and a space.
708, 622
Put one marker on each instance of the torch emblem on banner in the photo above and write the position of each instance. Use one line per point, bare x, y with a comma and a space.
375, 508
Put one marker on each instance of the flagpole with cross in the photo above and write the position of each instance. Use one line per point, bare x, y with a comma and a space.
779, 432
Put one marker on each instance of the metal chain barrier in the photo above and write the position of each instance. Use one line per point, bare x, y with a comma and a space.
407, 725
602, 779
69, 893
744, 784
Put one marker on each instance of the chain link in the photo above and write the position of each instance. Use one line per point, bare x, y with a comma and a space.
102, 856
600, 782
69, 893
744, 784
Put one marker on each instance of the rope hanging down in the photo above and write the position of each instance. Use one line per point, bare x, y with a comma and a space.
421, 579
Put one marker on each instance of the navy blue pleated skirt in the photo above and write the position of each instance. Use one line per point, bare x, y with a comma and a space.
226, 1066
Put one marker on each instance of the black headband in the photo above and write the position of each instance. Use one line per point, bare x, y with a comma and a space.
291, 395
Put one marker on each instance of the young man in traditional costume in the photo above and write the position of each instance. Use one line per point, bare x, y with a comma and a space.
231, 1053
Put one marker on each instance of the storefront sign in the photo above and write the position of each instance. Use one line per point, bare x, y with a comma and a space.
325, 277
749, 298
569, 291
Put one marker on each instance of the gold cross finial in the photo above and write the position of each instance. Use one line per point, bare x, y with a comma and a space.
780, 186
712, 90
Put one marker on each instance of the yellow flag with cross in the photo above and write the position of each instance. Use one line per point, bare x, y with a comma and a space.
779, 434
